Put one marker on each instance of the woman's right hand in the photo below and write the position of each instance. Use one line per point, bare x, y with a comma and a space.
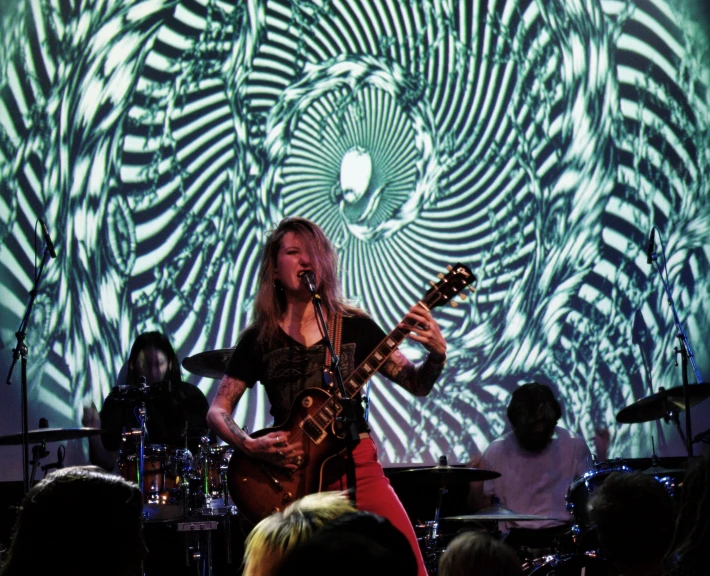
277, 448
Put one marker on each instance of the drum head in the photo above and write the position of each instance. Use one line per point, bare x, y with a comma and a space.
582, 489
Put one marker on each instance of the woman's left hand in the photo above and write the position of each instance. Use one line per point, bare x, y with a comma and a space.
425, 330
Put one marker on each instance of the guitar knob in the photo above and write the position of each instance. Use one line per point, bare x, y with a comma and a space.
275, 509
288, 497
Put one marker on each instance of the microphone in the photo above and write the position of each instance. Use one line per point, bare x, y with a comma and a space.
651, 246
309, 280
47, 239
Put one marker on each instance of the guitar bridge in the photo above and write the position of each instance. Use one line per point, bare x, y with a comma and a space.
312, 430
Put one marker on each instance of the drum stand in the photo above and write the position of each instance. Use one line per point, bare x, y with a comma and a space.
199, 551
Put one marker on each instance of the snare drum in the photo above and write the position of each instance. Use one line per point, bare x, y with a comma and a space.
588, 564
164, 470
582, 489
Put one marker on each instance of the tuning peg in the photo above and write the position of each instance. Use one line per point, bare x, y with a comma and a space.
440, 276
449, 268
463, 296
472, 289
453, 304
432, 283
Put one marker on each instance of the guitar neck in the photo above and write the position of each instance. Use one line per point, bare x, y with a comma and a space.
330, 409
450, 285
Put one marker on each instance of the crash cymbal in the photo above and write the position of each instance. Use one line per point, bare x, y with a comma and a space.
444, 474
655, 406
498, 514
49, 435
210, 364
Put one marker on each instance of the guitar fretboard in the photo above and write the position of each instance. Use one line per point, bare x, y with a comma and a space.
459, 277
324, 417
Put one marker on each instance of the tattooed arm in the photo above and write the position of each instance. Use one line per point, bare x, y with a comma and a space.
274, 447
419, 380
219, 417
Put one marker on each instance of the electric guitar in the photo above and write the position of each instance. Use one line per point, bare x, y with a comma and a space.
259, 488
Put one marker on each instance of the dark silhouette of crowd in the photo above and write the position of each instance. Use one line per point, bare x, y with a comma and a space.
640, 529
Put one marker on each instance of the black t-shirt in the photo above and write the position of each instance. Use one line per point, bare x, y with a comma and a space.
288, 367
167, 414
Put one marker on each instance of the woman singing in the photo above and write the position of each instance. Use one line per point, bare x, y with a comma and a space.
284, 350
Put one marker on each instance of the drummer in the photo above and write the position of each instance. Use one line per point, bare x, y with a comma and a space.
538, 461
176, 411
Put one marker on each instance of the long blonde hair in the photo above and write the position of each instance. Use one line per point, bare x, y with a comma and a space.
270, 303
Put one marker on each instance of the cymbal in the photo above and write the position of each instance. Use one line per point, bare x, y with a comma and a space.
136, 394
444, 475
49, 435
654, 407
661, 471
210, 364
498, 514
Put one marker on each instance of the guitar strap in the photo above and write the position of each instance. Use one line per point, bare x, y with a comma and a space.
335, 329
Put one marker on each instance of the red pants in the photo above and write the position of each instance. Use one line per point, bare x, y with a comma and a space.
375, 494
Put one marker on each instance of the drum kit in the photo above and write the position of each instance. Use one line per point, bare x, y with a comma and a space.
577, 551
181, 491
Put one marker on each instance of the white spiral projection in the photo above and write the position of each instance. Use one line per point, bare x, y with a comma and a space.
535, 141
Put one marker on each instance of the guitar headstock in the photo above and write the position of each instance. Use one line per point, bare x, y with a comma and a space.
458, 278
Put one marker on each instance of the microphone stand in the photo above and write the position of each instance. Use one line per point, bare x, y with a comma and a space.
686, 355
21, 351
347, 418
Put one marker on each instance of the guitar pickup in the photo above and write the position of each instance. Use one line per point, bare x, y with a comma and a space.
312, 430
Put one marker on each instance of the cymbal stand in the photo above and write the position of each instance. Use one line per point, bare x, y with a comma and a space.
20, 352
141, 416
39, 451
432, 533
684, 349
671, 415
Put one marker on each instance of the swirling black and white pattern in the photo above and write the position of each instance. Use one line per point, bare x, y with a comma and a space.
535, 141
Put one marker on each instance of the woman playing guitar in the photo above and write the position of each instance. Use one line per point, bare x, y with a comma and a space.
284, 350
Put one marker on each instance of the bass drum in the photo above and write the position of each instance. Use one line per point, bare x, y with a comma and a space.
570, 565
582, 489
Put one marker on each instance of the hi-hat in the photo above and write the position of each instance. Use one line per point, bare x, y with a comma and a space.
657, 406
49, 435
210, 364
137, 394
499, 514
443, 475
